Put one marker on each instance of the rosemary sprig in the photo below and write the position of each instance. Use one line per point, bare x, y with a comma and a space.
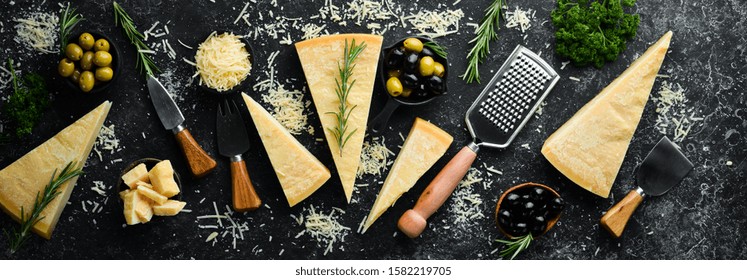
436, 48
486, 32
515, 245
69, 19
144, 62
19, 236
343, 90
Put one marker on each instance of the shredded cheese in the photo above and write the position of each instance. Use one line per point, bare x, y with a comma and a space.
38, 32
436, 24
520, 19
222, 61
466, 205
374, 158
107, 141
325, 228
672, 112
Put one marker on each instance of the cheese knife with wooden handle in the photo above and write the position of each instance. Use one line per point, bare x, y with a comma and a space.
200, 163
233, 141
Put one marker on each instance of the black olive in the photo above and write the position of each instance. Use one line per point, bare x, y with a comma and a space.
512, 201
427, 52
436, 85
519, 229
529, 206
410, 80
394, 58
538, 194
411, 63
504, 218
538, 226
421, 93
556, 205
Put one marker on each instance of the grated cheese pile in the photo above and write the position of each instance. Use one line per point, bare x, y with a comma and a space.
106, 141
38, 32
466, 204
374, 158
225, 224
222, 61
324, 228
160, 43
436, 24
672, 112
520, 19
289, 108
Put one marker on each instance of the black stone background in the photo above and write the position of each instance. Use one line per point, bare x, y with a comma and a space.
703, 218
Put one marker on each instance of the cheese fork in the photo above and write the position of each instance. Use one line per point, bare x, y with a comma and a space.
233, 141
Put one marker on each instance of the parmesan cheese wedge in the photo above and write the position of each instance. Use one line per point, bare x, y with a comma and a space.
425, 144
299, 172
27, 176
319, 59
152, 195
590, 147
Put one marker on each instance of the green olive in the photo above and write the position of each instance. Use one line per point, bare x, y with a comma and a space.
104, 74
75, 77
86, 62
102, 58
406, 92
394, 86
66, 67
86, 81
426, 66
393, 73
86, 41
413, 45
439, 70
73, 51
101, 45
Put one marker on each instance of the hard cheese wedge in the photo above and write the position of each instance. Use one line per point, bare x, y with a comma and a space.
319, 58
425, 144
299, 172
590, 147
27, 176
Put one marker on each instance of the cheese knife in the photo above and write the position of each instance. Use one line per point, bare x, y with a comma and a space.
662, 169
233, 141
200, 163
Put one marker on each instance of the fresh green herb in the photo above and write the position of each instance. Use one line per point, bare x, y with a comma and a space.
27, 102
144, 62
486, 32
592, 32
515, 245
20, 235
343, 90
69, 19
436, 48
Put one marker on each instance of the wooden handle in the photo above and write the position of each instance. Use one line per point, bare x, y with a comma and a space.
413, 222
200, 163
244, 196
617, 217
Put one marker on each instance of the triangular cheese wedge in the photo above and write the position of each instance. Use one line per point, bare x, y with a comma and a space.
299, 172
590, 147
27, 176
319, 58
425, 144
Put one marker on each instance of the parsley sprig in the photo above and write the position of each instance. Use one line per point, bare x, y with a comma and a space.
342, 135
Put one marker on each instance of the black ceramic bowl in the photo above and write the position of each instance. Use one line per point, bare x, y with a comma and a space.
149, 163
238, 87
116, 65
519, 188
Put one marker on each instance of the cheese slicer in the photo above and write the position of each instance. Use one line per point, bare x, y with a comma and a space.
502, 109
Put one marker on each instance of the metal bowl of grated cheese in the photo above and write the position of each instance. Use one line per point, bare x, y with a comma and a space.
223, 62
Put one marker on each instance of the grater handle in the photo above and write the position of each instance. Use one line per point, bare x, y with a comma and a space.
378, 124
413, 222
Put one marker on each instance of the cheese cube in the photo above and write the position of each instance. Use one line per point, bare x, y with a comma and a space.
143, 207
162, 178
124, 193
169, 208
129, 208
139, 173
152, 195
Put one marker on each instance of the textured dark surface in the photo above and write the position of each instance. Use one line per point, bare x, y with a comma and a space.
703, 218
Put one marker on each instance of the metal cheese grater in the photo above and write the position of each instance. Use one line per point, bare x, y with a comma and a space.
494, 120
510, 99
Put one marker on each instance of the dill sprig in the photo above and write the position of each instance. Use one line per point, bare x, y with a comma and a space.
20, 235
515, 245
343, 90
144, 62
69, 19
436, 48
486, 32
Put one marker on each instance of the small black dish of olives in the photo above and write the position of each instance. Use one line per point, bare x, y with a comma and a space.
529, 208
93, 57
412, 74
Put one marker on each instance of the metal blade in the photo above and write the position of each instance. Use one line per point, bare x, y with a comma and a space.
166, 108
663, 168
231, 131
